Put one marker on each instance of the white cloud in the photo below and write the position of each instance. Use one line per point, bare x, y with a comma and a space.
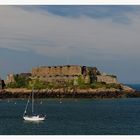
55, 35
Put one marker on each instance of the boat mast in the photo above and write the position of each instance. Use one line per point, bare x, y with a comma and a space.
27, 105
32, 102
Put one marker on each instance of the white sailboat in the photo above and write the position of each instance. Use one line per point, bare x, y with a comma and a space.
32, 117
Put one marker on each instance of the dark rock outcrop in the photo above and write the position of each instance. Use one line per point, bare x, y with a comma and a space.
24, 93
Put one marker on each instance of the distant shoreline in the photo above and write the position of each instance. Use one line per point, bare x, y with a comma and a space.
60, 93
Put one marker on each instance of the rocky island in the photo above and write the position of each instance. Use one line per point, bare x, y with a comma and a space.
65, 81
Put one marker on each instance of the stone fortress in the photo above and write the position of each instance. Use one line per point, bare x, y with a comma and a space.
61, 74
56, 73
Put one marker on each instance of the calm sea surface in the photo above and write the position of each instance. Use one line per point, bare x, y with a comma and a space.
135, 86
73, 117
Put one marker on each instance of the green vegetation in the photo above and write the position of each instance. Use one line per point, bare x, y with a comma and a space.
80, 81
37, 84
24, 82
20, 82
96, 85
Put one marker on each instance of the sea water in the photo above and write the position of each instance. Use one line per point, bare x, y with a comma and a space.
72, 117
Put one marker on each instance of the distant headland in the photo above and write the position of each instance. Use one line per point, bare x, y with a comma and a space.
64, 81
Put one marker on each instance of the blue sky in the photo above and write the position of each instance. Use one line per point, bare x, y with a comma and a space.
103, 36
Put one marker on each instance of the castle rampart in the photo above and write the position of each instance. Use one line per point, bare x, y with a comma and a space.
56, 71
106, 78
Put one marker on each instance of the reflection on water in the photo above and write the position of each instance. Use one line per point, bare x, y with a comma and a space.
33, 122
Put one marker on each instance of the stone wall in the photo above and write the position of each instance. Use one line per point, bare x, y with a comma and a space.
57, 79
10, 79
56, 71
106, 78
69, 72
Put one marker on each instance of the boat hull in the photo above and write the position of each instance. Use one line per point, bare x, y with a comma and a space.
33, 118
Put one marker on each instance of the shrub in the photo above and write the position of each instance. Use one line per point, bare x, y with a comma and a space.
37, 84
84, 86
20, 82
80, 81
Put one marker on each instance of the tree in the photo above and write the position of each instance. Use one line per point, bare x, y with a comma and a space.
37, 84
20, 82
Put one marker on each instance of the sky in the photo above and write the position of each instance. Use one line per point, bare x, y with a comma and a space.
107, 37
